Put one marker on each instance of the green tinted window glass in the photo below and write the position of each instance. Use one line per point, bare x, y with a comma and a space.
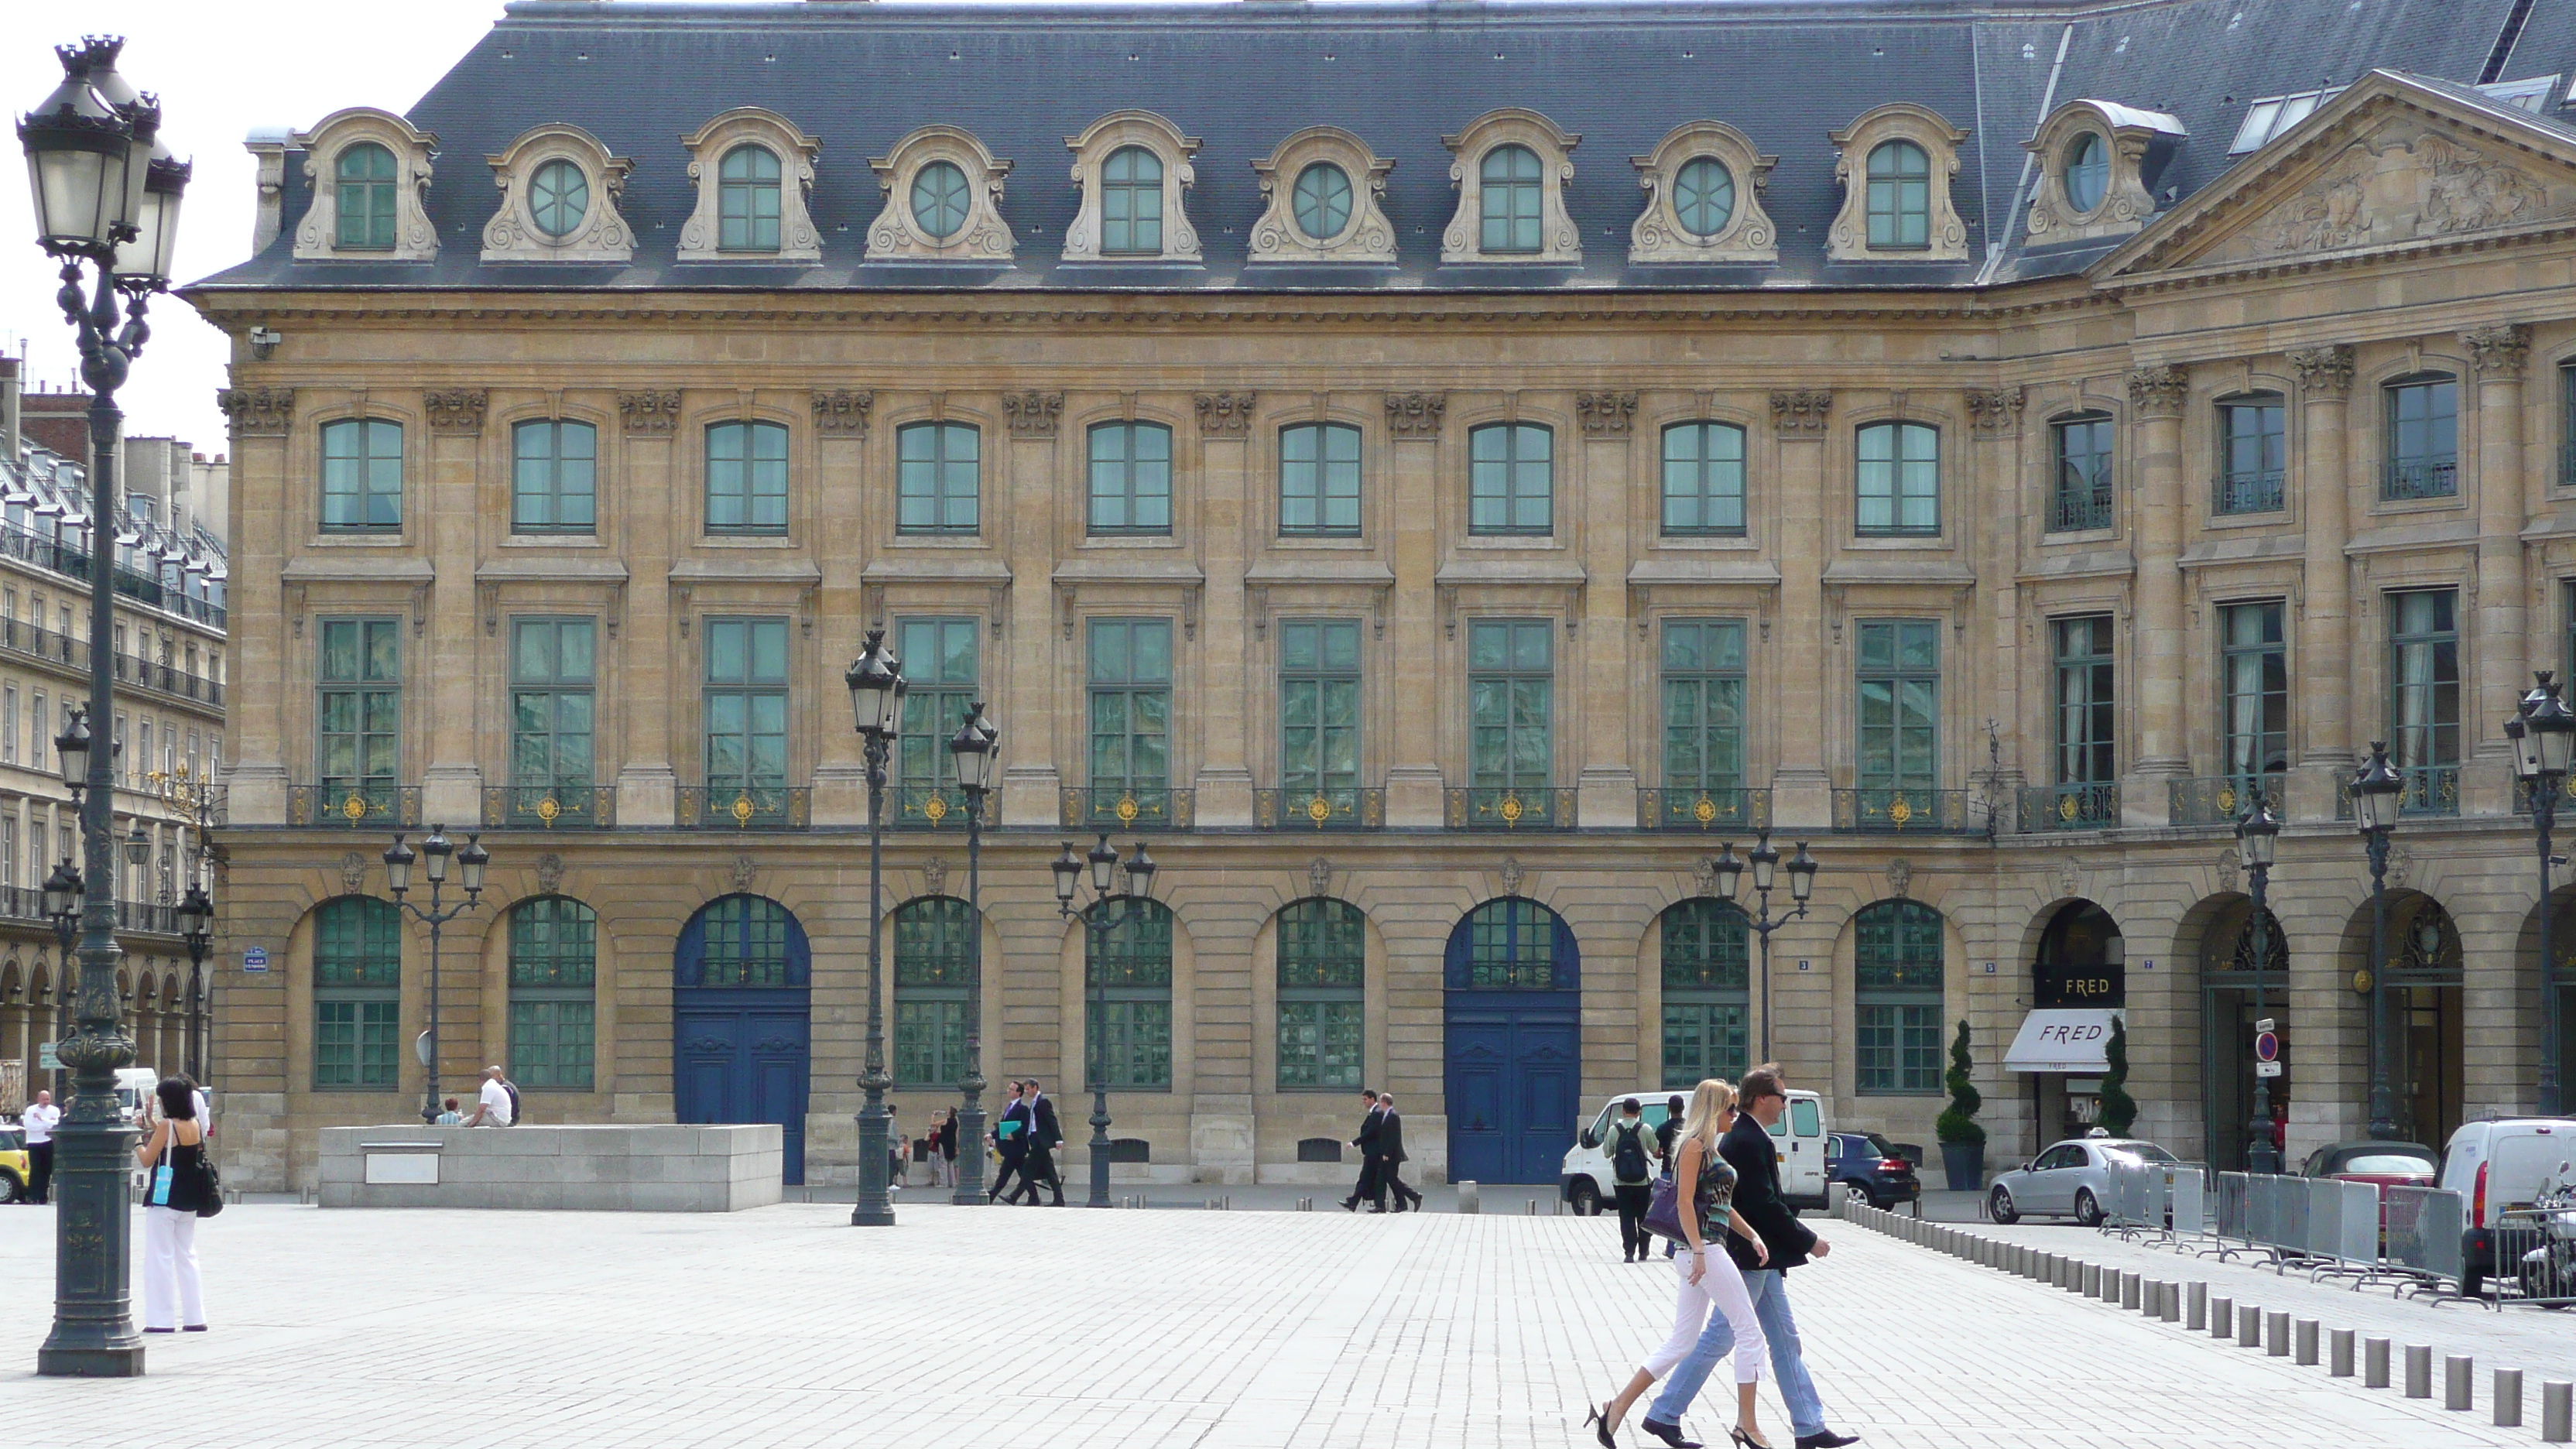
747, 478
1900, 197
940, 200
1131, 203
1511, 946
558, 198
933, 975
1319, 706
939, 667
937, 471
1899, 479
1703, 479
1321, 201
358, 708
553, 722
1900, 703
1704, 196
747, 199
1511, 704
1128, 997
2086, 702
366, 182
362, 476
746, 943
1511, 479
1319, 479
1511, 191
1130, 702
554, 970
357, 987
554, 477
1703, 700
1131, 478
745, 705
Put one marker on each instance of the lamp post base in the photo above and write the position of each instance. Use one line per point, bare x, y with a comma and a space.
1099, 1150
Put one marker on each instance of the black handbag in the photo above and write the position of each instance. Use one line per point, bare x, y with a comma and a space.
210, 1184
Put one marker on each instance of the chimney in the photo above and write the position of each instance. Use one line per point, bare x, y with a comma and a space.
9, 412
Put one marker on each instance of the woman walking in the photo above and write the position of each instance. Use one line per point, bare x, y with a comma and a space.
174, 1159
1706, 1277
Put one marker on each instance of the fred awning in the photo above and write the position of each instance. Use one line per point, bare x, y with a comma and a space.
2063, 1039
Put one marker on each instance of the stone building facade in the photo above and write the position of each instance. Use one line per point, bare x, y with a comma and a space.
1435, 536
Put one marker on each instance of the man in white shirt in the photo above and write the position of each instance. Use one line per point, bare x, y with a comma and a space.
40, 1121
493, 1108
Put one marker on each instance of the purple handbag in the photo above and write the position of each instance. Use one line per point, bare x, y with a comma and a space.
1663, 1213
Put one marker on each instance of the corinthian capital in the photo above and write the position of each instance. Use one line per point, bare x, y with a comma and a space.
2499, 351
2324, 372
2157, 392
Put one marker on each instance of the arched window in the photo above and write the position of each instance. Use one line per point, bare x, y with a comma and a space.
554, 479
1511, 189
1704, 196
939, 465
1703, 478
1321, 201
558, 198
2083, 498
1131, 475
554, 981
743, 941
357, 995
2423, 438
366, 177
940, 200
1900, 197
934, 943
1127, 997
1511, 478
362, 476
1131, 203
1705, 992
1319, 479
1899, 480
1898, 973
2252, 453
1323, 963
747, 478
1512, 946
2088, 172
747, 200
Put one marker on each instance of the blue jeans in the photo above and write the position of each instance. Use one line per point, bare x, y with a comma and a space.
1770, 1292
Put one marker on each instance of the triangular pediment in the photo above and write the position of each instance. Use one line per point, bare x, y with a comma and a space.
2393, 164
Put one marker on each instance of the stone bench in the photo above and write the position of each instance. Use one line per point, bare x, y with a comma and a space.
584, 1169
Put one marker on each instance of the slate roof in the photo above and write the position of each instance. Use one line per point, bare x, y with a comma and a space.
1242, 74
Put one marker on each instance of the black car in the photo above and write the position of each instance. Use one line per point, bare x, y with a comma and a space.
1868, 1165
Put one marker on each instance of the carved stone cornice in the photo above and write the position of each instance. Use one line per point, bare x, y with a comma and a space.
457, 411
2498, 352
1415, 414
257, 412
2157, 392
843, 413
1606, 412
1033, 414
1994, 412
1803, 413
1225, 414
647, 413
2324, 372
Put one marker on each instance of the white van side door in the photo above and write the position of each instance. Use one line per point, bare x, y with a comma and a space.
1802, 1176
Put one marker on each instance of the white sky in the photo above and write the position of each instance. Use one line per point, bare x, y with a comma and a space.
221, 67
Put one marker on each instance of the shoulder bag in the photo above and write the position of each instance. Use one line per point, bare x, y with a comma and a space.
210, 1185
1663, 1212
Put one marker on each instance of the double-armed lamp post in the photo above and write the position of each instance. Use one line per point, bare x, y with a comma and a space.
977, 749
1766, 867
876, 698
2377, 795
433, 856
2258, 835
1103, 863
2542, 732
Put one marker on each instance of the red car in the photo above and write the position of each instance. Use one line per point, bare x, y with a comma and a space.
2382, 1164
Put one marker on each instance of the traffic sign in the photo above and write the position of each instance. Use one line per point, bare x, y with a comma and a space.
2264, 1025
46, 1060
2267, 1069
2267, 1047
254, 959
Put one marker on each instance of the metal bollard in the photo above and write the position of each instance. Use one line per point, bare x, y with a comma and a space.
2112, 1278
2456, 1369
1469, 1201
2307, 1336
2419, 1370
2131, 1286
2196, 1315
2556, 1400
2249, 1326
2339, 1355
2151, 1298
2508, 1398
2173, 1303
2374, 1363
2092, 1280
2222, 1317
2276, 1335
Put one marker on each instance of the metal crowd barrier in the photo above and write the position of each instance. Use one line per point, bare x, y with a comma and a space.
2422, 1238
2190, 1205
2522, 1232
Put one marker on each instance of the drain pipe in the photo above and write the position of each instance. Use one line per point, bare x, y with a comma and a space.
1995, 240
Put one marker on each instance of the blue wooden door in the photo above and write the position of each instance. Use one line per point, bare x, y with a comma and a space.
1514, 1045
741, 1021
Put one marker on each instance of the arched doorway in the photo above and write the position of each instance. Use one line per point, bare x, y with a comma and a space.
2081, 967
1514, 1016
2424, 1009
741, 1023
2238, 949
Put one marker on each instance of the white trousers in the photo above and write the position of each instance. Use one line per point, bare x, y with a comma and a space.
170, 1269
1723, 1286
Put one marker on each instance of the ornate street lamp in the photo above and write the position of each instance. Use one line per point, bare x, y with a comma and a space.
90, 148
432, 858
876, 686
2543, 732
1766, 867
2377, 790
196, 913
2257, 835
1103, 864
976, 747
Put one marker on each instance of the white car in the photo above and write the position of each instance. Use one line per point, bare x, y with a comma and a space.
1586, 1179
2069, 1179
2497, 1166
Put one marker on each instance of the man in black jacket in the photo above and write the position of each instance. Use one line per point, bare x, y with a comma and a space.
1044, 1137
1390, 1154
1011, 1139
1748, 1148
1366, 1142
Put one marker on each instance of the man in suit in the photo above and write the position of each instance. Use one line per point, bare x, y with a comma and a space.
1044, 1137
1011, 1139
1748, 1148
1390, 1154
1366, 1142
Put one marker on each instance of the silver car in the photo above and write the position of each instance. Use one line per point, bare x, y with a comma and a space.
2071, 1179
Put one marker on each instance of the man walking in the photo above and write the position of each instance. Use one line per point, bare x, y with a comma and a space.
1366, 1142
1044, 1137
1390, 1154
40, 1121
1011, 1140
1747, 1147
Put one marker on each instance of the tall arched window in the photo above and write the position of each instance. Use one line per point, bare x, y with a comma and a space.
1898, 974
366, 178
934, 943
1131, 203
1131, 477
1900, 197
1511, 483
743, 941
1899, 480
1323, 962
1705, 992
1319, 480
747, 478
357, 995
1512, 946
1703, 479
554, 477
1127, 998
362, 476
1511, 189
938, 469
554, 983
747, 200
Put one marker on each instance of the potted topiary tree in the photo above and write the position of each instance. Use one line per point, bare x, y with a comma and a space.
1963, 1142
2119, 1110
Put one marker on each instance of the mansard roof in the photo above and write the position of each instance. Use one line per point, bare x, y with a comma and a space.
1242, 74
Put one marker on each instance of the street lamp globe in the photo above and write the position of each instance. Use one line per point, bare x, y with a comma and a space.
143, 262
876, 689
2258, 834
2376, 790
471, 860
1802, 875
1068, 876
63, 892
85, 160
195, 913
436, 851
72, 748
138, 843
1140, 872
2524, 744
1728, 869
972, 747
2551, 723
1766, 862
398, 863
1104, 864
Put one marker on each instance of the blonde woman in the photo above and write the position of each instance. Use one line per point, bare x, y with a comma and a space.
1707, 1278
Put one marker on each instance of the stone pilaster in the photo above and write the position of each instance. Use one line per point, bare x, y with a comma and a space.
445, 644
256, 775
1801, 790
1607, 782
1413, 421
1225, 463
649, 642
2323, 657
838, 523
2503, 649
2156, 398
1995, 438
1026, 526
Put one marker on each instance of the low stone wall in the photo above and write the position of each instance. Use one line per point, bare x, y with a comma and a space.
587, 1169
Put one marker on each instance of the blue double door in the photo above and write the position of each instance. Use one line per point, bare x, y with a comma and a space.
1514, 1032
744, 1055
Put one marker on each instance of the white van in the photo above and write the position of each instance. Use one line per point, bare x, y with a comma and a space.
2495, 1167
133, 1088
1799, 1138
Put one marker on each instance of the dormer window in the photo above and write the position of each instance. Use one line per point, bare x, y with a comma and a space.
1321, 201
370, 173
1131, 204
1703, 197
366, 173
559, 198
1900, 198
559, 191
1895, 167
943, 194
940, 199
747, 195
2087, 173
1703, 186
1511, 198
753, 170
1511, 173
2097, 159
1323, 194
1133, 168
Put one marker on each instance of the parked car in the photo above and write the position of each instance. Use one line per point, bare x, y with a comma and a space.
13, 1165
2069, 1179
1586, 1179
2496, 1167
2383, 1164
1871, 1166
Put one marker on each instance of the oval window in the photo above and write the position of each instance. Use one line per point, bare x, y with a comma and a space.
1704, 196
1322, 199
559, 197
939, 199
2088, 172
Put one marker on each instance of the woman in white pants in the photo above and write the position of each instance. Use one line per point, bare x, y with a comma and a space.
172, 1297
1707, 1277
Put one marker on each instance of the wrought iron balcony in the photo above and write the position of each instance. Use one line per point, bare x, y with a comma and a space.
355, 805
1307, 808
1537, 808
152, 920
937, 807
1719, 808
2221, 799
2404, 479
1124, 807
2075, 510
2090, 805
2522, 792
2247, 493
2430, 790
1901, 812
745, 807
550, 807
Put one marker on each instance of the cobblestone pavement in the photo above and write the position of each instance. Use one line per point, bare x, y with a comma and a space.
786, 1327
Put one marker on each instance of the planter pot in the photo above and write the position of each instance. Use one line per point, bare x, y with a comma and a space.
1964, 1163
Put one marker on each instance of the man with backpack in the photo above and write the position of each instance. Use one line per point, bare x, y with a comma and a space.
1633, 1151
